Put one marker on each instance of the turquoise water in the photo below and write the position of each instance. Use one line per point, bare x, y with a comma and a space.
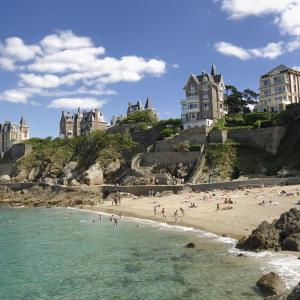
46, 255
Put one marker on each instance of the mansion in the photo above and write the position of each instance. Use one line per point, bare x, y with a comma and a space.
278, 88
12, 133
204, 102
133, 108
81, 123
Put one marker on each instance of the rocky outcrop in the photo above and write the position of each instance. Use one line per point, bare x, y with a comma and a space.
271, 284
295, 294
93, 175
281, 234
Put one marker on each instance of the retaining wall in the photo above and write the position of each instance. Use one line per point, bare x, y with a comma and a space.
6, 169
169, 158
266, 138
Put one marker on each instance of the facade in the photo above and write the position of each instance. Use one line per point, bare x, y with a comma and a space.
11, 134
81, 123
204, 102
278, 88
133, 108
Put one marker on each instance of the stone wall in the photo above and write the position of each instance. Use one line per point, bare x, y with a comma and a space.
169, 158
233, 185
218, 136
6, 169
193, 135
266, 138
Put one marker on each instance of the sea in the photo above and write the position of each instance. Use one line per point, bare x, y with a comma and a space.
64, 253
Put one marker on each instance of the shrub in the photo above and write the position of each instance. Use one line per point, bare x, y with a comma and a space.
251, 118
165, 133
183, 146
196, 147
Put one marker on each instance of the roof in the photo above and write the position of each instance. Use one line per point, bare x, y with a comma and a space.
148, 104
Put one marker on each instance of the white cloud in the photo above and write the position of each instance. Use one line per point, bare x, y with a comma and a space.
65, 40
238, 9
7, 64
15, 96
271, 51
73, 103
286, 17
64, 60
232, 50
175, 66
15, 49
35, 81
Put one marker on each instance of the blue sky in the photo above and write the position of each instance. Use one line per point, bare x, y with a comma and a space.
55, 55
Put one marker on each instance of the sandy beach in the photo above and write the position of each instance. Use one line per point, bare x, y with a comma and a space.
249, 208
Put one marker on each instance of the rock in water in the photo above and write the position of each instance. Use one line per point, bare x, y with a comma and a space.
264, 237
190, 245
271, 284
281, 234
295, 294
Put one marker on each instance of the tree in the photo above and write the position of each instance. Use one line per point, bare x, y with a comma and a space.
234, 100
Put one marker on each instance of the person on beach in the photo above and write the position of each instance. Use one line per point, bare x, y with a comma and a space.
155, 210
111, 218
163, 212
181, 210
116, 222
100, 217
175, 215
218, 206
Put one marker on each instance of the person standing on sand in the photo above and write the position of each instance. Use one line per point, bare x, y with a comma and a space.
164, 214
218, 206
155, 210
116, 222
181, 210
175, 215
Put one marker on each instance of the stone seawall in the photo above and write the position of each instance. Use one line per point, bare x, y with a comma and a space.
169, 158
144, 189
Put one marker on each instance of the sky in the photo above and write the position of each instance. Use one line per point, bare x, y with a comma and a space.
61, 54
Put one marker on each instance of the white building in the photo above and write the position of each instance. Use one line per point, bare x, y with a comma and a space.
204, 102
278, 88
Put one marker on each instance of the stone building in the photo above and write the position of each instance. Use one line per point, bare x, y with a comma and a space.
12, 133
81, 123
133, 108
204, 102
278, 88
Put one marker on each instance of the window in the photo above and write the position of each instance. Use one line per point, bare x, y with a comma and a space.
183, 107
266, 82
206, 107
278, 79
266, 92
192, 105
205, 94
279, 89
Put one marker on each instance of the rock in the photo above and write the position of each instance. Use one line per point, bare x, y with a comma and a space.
93, 176
288, 173
74, 182
265, 237
295, 294
113, 166
271, 284
190, 245
68, 173
281, 234
240, 255
276, 297
4, 178
291, 244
